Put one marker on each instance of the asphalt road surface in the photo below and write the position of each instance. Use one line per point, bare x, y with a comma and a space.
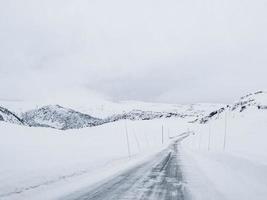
160, 178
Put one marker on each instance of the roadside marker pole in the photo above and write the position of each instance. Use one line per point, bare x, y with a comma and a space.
146, 138
209, 136
199, 142
225, 130
137, 141
162, 135
195, 141
127, 139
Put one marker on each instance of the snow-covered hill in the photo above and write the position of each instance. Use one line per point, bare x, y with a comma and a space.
148, 115
228, 151
94, 110
8, 116
58, 117
256, 100
141, 115
253, 101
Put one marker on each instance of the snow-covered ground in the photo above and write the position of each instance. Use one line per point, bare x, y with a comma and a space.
225, 158
238, 171
33, 159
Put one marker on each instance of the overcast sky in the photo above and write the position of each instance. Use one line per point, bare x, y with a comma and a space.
180, 51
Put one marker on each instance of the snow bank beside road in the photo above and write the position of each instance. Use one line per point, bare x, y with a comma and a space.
237, 172
34, 158
222, 176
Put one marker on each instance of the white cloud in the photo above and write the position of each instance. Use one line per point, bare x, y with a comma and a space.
175, 51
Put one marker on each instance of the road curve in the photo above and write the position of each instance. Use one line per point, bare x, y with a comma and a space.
159, 178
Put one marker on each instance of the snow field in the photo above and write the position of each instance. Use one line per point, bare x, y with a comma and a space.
36, 158
237, 172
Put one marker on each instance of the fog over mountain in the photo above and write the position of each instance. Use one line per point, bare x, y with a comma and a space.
172, 51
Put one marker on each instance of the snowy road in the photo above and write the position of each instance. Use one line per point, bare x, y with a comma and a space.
159, 178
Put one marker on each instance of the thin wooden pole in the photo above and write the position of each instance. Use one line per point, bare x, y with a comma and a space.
225, 130
209, 136
127, 139
137, 141
162, 135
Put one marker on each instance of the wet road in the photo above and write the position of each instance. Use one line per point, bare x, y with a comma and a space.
160, 178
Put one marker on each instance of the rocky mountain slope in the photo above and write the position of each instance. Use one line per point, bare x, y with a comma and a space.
252, 101
58, 117
141, 115
8, 116
187, 112
63, 118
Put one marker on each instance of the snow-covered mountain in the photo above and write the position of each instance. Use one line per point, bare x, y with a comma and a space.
253, 101
58, 117
213, 114
256, 100
92, 110
8, 116
189, 112
141, 115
